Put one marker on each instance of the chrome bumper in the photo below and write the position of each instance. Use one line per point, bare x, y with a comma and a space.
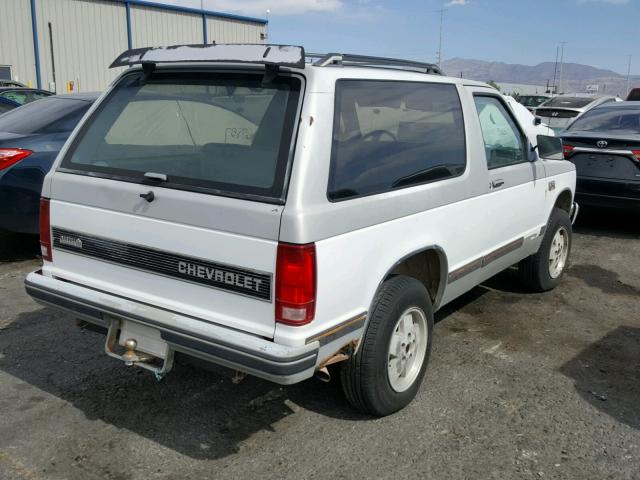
230, 348
575, 209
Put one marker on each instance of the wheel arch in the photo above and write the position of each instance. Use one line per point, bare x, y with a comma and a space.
428, 265
564, 200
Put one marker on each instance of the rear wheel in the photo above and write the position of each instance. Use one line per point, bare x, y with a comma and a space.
543, 270
386, 372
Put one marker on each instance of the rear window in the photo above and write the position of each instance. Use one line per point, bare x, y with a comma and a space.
608, 120
568, 102
49, 115
216, 133
390, 135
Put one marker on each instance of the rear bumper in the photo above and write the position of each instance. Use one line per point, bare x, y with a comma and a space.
213, 343
608, 193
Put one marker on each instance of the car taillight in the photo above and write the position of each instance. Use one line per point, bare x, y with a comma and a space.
10, 156
636, 153
567, 150
45, 230
295, 283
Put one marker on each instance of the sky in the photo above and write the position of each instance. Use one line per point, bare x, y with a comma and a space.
601, 33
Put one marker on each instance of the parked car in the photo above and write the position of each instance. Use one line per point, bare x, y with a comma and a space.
30, 138
6, 105
23, 95
11, 83
558, 112
634, 95
532, 101
604, 144
276, 216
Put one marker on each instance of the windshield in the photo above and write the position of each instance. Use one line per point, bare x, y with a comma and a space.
531, 100
618, 120
568, 102
215, 132
49, 115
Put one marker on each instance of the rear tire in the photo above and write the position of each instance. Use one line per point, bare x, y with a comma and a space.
543, 270
387, 371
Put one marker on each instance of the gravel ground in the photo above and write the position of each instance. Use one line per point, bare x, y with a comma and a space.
519, 386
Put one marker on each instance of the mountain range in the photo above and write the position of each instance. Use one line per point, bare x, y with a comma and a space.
575, 77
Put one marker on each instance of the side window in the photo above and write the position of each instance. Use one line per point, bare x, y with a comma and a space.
390, 135
504, 143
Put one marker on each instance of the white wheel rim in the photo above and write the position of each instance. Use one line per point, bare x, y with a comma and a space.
558, 252
407, 349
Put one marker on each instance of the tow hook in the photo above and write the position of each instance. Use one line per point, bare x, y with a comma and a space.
133, 358
130, 357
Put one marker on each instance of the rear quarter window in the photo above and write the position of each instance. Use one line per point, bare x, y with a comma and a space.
390, 135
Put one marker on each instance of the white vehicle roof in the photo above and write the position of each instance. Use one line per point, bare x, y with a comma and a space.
325, 69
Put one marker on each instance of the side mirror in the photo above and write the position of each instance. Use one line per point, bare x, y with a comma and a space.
550, 148
537, 121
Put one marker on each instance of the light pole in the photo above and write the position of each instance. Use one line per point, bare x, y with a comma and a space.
555, 69
266, 36
441, 11
562, 44
628, 75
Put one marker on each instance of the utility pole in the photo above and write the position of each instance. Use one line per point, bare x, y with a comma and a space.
562, 44
628, 76
441, 12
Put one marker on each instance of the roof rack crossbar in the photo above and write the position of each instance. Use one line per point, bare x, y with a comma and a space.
326, 59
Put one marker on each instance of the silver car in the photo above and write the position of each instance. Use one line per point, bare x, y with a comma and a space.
559, 112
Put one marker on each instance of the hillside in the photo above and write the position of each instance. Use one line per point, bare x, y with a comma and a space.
575, 76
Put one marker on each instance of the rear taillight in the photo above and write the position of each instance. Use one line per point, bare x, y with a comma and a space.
295, 284
567, 150
45, 230
636, 154
10, 156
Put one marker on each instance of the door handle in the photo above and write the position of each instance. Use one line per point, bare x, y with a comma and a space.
497, 183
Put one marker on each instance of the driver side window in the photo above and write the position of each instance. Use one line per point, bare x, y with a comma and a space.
504, 143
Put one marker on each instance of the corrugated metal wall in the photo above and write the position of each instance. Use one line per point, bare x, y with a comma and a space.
222, 30
152, 27
89, 34
16, 41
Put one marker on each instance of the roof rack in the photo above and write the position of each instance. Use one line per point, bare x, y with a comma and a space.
326, 59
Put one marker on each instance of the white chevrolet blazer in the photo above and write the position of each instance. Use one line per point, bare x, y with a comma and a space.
275, 214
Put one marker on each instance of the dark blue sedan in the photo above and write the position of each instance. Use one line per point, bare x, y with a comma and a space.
6, 105
30, 138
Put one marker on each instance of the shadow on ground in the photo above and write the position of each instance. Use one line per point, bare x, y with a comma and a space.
607, 223
607, 374
199, 413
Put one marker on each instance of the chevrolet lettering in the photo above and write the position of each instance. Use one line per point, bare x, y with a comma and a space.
229, 278
310, 213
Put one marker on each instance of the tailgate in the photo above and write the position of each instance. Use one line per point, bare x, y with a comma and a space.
168, 253
172, 191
